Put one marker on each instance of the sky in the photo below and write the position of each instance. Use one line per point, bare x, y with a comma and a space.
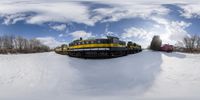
57, 22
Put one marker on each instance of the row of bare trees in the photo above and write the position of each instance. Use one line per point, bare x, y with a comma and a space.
12, 44
192, 42
189, 44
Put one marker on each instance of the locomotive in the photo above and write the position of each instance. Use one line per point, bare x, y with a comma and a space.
99, 48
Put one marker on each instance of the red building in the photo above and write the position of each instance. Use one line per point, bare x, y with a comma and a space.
166, 48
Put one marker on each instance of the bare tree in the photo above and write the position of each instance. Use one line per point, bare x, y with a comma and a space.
1, 43
13, 44
192, 43
194, 40
198, 42
187, 42
26, 44
19, 41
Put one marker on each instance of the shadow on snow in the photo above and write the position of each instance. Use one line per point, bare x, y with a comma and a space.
132, 74
175, 54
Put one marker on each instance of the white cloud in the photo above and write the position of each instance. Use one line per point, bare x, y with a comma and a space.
63, 11
139, 35
60, 27
60, 35
190, 10
50, 41
123, 11
63, 35
78, 34
177, 30
145, 1
169, 31
67, 11
119, 1
43, 12
12, 19
107, 32
172, 30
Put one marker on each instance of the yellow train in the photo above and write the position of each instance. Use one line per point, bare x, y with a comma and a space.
99, 48
133, 47
62, 50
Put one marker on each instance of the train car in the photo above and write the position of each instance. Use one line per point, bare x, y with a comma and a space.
166, 48
97, 48
62, 50
58, 49
100, 48
133, 48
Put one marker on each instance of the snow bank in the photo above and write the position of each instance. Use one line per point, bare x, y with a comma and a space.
49, 76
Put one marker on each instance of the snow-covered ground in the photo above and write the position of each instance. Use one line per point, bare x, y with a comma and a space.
146, 75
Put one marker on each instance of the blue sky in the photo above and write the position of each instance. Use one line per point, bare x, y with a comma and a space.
55, 22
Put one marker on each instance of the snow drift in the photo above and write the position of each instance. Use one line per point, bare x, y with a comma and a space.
49, 76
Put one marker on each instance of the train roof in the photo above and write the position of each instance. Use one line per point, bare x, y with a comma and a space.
91, 39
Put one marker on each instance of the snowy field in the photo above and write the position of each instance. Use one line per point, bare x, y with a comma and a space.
146, 75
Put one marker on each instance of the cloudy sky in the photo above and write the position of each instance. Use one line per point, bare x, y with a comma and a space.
60, 21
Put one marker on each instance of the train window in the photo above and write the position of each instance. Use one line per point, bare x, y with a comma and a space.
92, 42
103, 41
108, 41
122, 43
95, 41
98, 41
87, 42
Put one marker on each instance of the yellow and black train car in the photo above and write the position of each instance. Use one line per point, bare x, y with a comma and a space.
100, 48
63, 49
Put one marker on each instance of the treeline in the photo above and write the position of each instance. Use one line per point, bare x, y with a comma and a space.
192, 43
189, 44
13, 44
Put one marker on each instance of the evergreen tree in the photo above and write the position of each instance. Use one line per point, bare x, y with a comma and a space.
156, 43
